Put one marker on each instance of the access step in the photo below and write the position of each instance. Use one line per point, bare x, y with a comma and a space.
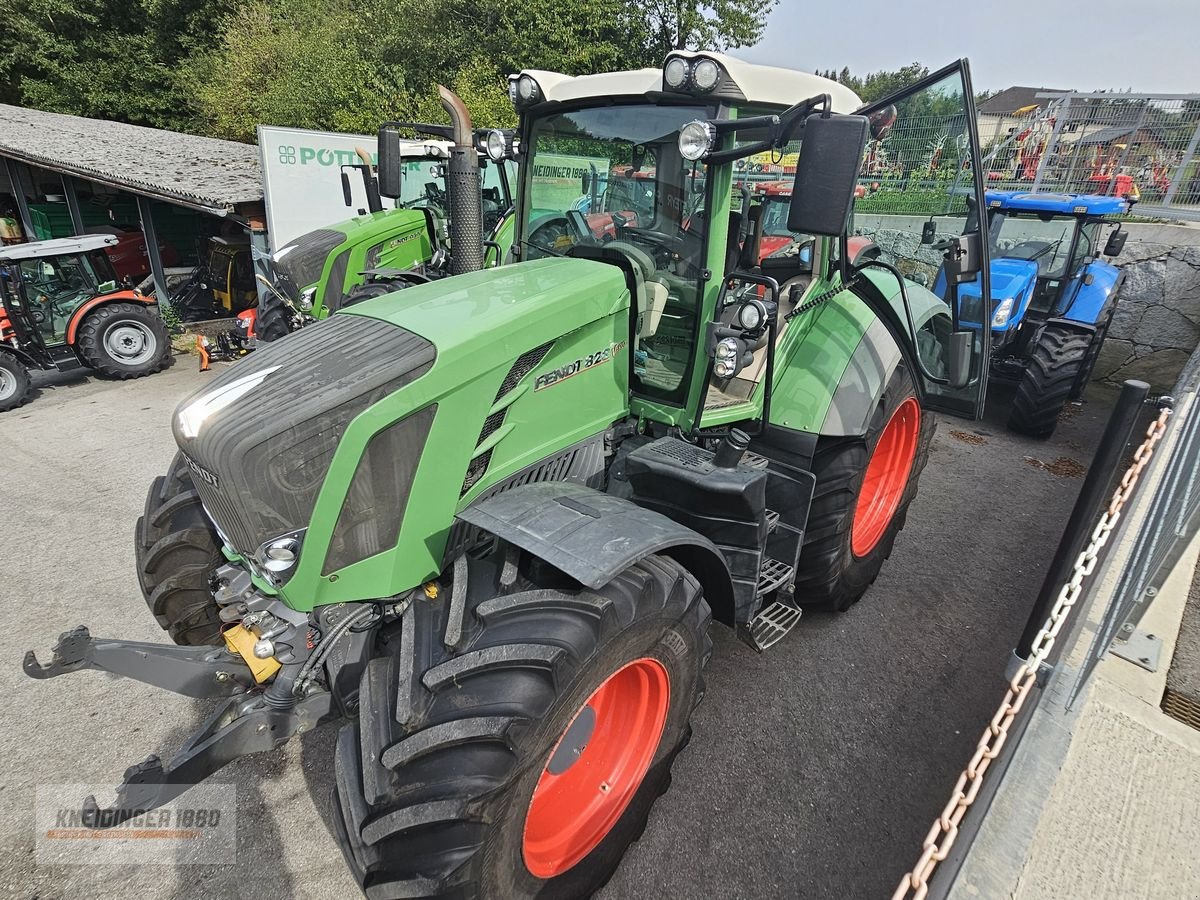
772, 520
770, 626
773, 574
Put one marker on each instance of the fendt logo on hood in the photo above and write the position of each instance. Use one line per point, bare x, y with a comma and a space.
202, 473
562, 373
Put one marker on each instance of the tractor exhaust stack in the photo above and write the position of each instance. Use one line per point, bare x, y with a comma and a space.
462, 182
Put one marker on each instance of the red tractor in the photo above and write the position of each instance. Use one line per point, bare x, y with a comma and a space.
62, 308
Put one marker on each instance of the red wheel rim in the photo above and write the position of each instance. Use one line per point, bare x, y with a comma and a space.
886, 477
596, 767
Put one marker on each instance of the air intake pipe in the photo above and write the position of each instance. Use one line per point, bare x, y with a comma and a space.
462, 182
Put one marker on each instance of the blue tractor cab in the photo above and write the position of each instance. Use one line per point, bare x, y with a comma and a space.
1053, 295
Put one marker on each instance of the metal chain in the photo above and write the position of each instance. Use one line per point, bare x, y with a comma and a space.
942, 835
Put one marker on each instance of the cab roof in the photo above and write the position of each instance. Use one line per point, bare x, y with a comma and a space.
769, 85
1070, 204
57, 247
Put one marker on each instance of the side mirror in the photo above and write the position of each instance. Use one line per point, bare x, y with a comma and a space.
1116, 242
826, 174
346, 195
390, 162
961, 257
929, 232
958, 359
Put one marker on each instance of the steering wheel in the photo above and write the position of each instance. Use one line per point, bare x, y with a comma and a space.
670, 241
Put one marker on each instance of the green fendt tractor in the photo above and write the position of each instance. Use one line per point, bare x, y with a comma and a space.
485, 522
382, 250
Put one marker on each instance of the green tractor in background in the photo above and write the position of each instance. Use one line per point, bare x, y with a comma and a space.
485, 522
382, 250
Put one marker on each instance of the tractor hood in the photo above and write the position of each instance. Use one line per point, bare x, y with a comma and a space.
260, 437
1012, 290
478, 319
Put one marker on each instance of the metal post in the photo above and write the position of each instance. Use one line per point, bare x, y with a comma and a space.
1188, 154
1051, 144
146, 214
260, 255
1112, 179
18, 189
1092, 496
68, 184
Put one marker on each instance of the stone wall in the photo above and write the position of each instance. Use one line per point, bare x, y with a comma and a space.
1157, 323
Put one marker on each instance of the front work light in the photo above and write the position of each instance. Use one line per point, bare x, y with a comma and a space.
696, 140
527, 90
705, 75
497, 146
1003, 311
675, 73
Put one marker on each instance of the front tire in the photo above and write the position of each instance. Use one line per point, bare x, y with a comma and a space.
522, 760
124, 340
1055, 365
177, 550
863, 491
273, 319
15, 385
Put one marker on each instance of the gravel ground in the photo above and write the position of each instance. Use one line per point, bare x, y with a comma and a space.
815, 768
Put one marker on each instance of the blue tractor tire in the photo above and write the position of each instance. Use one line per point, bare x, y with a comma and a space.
1056, 363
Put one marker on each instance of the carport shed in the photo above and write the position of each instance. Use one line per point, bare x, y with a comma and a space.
171, 182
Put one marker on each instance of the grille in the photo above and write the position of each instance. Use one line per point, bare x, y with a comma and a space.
225, 515
305, 259
1182, 707
525, 364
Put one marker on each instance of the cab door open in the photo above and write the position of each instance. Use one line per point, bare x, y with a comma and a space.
920, 189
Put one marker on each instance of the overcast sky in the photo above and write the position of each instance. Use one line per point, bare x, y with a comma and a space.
1147, 45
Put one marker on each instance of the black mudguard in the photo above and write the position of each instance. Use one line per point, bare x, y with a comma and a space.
593, 536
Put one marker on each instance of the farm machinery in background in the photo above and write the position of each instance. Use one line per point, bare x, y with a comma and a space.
63, 308
485, 522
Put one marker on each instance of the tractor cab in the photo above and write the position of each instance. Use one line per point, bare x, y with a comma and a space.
61, 307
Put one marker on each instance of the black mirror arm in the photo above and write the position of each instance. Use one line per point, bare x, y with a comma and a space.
780, 128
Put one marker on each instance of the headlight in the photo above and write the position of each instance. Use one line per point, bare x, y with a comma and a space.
727, 348
706, 74
696, 140
306, 298
496, 145
1003, 311
279, 555
675, 73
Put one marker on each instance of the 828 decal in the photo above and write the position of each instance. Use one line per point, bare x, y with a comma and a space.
562, 373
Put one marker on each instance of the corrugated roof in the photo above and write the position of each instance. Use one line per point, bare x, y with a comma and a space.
182, 168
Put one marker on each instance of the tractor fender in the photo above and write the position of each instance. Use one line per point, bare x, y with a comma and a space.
1091, 301
593, 536
80, 314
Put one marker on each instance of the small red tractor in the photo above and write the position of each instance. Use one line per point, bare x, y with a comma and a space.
62, 308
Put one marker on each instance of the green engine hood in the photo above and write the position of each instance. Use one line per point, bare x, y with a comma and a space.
479, 318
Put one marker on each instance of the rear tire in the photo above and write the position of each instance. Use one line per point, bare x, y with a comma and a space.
373, 289
124, 340
1055, 365
837, 565
177, 550
15, 385
435, 786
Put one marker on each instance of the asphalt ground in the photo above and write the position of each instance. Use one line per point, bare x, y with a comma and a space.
814, 771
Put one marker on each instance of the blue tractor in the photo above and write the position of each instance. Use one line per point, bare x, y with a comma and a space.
1053, 296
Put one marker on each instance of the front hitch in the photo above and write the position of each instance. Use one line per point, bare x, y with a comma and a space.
230, 732
191, 671
244, 723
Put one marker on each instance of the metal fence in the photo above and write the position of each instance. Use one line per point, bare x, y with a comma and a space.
1144, 146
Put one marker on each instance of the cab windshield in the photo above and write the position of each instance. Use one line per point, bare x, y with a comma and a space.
613, 175
1044, 239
